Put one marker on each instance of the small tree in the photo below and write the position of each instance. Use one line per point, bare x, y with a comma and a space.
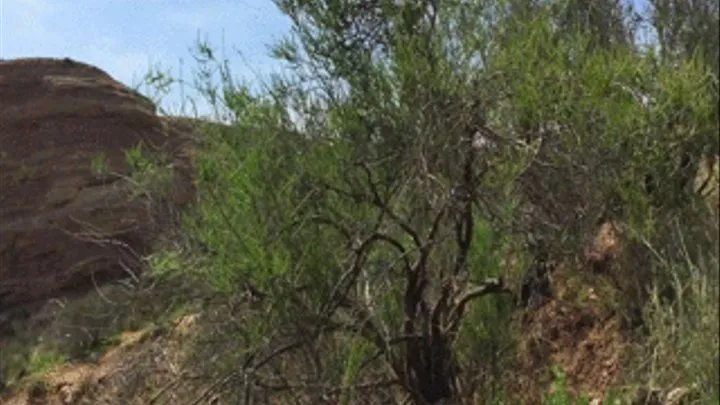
430, 139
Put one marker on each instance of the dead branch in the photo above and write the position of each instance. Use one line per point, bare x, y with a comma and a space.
490, 286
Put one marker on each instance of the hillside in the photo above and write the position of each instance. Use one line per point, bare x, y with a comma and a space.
412, 228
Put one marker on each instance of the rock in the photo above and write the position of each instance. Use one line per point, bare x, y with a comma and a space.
606, 247
676, 396
63, 227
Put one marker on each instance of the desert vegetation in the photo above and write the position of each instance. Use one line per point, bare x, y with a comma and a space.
433, 189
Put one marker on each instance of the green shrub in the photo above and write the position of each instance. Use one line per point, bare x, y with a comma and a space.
370, 227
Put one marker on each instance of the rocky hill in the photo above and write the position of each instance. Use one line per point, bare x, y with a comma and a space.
64, 226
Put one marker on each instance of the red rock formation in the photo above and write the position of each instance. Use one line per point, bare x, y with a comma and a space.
56, 116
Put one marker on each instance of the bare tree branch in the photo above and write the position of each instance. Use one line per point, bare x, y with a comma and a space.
490, 286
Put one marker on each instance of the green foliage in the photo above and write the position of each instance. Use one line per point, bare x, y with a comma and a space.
42, 360
151, 174
682, 330
99, 164
243, 204
617, 103
166, 262
559, 394
346, 221
356, 352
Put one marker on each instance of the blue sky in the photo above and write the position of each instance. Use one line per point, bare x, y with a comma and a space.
125, 37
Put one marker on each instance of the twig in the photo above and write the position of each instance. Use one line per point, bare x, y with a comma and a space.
490, 286
229, 376
165, 388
